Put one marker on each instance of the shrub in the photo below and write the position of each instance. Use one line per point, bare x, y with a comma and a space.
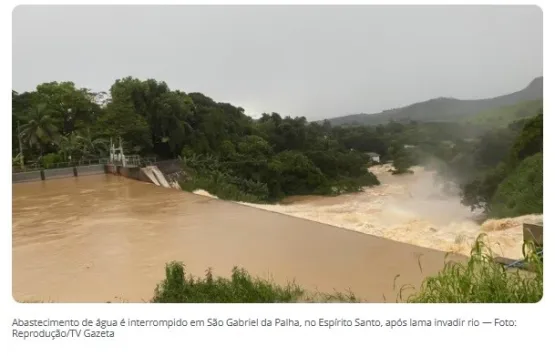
241, 288
482, 280
50, 159
221, 188
354, 184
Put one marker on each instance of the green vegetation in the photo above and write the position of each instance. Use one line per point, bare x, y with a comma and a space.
507, 179
240, 288
482, 280
403, 160
53, 124
521, 192
479, 280
226, 152
505, 115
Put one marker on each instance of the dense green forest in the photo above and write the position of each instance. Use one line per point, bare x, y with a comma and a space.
507, 179
226, 152
264, 159
499, 170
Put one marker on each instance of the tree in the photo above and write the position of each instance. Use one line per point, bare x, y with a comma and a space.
39, 129
69, 107
69, 146
170, 123
227, 151
530, 140
521, 192
493, 148
478, 193
90, 146
121, 120
491, 188
295, 173
18, 105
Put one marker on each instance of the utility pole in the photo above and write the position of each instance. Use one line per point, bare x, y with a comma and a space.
20, 146
121, 152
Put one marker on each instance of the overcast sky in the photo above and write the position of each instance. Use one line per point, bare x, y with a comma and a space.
313, 61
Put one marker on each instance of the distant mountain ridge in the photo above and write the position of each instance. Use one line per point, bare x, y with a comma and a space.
444, 109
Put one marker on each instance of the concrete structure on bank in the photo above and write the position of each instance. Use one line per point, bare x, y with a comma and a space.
160, 173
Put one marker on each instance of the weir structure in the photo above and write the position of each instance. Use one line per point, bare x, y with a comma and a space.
138, 168
131, 166
35, 172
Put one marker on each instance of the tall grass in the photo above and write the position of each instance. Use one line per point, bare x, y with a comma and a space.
483, 280
240, 288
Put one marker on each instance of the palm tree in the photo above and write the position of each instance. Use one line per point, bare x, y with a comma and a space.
92, 147
192, 160
70, 144
39, 128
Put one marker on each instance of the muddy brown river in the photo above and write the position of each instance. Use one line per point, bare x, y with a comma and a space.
107, 238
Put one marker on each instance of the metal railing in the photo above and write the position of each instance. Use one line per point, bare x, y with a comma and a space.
132, 160
36, 166
136, 161
149, 161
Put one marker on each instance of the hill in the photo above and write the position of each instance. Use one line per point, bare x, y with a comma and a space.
502, 116
445, 109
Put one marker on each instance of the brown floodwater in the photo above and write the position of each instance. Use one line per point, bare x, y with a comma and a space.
414, 209
107, 238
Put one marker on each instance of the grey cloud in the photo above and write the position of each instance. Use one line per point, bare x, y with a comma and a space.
317, 61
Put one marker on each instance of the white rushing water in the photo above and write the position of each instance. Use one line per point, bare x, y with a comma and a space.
412, 209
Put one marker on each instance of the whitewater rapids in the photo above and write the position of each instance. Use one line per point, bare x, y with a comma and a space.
409, 208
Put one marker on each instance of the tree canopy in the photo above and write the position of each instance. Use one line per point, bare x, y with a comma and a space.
260, 159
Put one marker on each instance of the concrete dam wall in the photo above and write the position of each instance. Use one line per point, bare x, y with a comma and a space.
164, 173
53, 173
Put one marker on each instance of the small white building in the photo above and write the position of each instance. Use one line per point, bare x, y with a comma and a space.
373, 156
